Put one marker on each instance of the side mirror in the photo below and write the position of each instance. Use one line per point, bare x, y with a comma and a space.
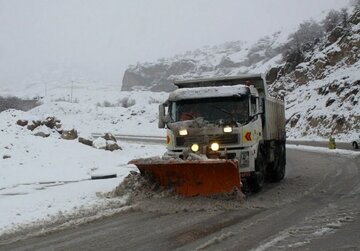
162, 116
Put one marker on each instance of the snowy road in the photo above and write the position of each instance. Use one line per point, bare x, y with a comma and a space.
317, 207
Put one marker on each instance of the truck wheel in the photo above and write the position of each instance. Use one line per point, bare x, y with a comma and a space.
355, 145
257, 179
277, 171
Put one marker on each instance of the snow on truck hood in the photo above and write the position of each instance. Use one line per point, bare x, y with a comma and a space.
208, 92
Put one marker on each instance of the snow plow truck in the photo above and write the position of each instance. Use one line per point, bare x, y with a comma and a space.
222, 134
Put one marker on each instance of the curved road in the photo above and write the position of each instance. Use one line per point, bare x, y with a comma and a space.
316, 207
162, 140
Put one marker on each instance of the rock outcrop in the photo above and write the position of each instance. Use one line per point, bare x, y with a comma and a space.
322, 93
69, 135
231, 58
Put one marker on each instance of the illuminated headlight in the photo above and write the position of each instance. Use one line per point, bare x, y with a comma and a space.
183, 132
214, 147
195, 147
244, 159
227, 129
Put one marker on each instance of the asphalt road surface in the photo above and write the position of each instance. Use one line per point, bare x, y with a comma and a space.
316, 207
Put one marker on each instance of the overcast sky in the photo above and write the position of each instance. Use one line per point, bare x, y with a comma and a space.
96, 40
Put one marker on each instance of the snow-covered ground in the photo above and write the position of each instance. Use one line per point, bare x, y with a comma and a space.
46, 178
93, 109
43, 178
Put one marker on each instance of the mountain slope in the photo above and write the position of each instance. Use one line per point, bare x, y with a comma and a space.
322, 93
230, 58
321, 88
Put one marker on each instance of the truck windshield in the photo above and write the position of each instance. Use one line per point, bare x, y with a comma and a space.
212, 109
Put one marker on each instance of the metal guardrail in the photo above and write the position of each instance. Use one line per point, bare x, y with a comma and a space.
136, 138
339, 145
162, 140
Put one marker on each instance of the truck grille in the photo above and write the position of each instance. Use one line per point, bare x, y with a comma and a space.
222, 139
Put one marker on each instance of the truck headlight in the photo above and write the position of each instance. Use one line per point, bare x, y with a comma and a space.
214, 147
227, 129
183, 132
195, 147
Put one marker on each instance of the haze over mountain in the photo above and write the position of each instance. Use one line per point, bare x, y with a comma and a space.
94, 41
316, 70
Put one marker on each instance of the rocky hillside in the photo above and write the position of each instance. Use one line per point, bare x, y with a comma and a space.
322, 93
316, 70
226, 59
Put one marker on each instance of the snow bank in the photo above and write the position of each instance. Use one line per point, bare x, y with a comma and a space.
42, 178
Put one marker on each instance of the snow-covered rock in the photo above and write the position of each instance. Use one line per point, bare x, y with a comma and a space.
322, 94
99, 143
231, 58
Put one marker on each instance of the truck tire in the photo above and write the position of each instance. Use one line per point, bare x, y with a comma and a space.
257, 179
278, 168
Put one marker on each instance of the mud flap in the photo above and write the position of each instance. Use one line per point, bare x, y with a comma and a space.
191, 178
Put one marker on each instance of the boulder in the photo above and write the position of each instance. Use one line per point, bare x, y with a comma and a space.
108, 145
109, 136
34, 124
85, 141
112, 146
52, 122
69, 135
42, 134
6, 156
22, 122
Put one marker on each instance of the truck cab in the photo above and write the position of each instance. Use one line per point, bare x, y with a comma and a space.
223, 118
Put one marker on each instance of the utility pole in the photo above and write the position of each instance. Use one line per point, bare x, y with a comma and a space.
72, 87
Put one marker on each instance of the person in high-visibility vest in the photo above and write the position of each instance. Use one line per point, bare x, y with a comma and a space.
332, 144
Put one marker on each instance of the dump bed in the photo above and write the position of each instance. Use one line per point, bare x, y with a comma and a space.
274, 123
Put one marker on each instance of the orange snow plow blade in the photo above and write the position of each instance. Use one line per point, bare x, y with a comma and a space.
195, 177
